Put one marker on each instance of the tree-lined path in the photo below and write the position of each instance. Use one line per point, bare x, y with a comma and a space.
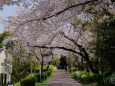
61, 78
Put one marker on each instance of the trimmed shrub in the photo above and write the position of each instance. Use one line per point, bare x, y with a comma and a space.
49, 72
37, 70
112, 79
106, 74
106, 77
45, 73
72, 69
87, 77
28, 81
77, 75
43, 76
38, 77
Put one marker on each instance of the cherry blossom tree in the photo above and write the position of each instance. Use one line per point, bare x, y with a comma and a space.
43, 56
49, 24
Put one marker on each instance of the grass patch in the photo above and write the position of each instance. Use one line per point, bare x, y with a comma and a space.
17, 84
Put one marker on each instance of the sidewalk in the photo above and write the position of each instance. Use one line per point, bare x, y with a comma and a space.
61, 78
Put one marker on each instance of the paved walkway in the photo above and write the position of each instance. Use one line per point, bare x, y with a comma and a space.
61, 78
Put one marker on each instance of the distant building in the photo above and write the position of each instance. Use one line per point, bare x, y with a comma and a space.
5, 67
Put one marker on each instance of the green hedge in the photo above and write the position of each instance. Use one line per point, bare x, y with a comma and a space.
72, 69
28, 81
89, 77
33, 78
112, 79
86, 77
44, 75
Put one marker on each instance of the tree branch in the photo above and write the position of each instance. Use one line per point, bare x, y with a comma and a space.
69, 7
81, 48
36, 55
57, 47
59, 12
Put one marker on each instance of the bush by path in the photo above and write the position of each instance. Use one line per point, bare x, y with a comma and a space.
34, 79
90, 78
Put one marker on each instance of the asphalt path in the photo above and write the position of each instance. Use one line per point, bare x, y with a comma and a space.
61, 78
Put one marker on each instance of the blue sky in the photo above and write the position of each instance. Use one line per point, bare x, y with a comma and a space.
7, 11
